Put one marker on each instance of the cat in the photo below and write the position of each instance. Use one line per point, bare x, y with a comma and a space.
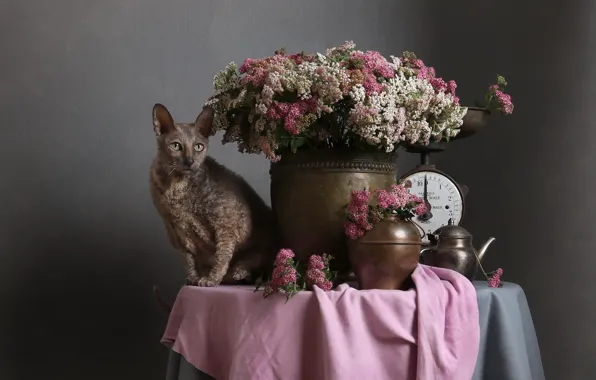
213, 217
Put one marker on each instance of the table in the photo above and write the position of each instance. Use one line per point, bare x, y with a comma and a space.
508, 345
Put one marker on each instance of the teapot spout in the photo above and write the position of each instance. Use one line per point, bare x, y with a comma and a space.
484, 247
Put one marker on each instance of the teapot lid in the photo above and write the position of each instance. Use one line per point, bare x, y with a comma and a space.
452, 231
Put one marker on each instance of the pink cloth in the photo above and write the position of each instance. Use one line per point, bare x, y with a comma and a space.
430, 333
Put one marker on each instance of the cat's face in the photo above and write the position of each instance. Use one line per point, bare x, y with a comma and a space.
182, 146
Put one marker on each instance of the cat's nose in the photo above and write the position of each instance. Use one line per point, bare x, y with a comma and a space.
188, 161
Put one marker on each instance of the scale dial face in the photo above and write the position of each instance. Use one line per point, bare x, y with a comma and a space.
443, 195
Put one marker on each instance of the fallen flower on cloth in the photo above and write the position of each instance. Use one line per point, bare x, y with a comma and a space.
494, 281
289, 277
493, 278
318, 273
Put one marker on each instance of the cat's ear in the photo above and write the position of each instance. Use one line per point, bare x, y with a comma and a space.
162, 120
204, 121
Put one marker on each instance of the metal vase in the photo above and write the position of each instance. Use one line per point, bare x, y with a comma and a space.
309, 193
386, 256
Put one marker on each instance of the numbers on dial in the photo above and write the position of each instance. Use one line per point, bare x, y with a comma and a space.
442, 194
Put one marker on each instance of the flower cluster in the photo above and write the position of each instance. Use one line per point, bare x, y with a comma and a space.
496, 99
285, 275
318, 273
288, 276
395, 202
345, 97
494, 280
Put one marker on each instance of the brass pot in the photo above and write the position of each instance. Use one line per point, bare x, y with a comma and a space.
309, 192
386, 256
475, 120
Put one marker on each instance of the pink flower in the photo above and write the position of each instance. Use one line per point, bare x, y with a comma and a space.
299, 58
360, 196
277, 110
438, 84
396, 201
504, 102
291, 113
373, 62
316, 262
325, 285
416, 63
415, 198
451, 86
357, 208
283, 276
371, 85
359, 217
353, 231
420, 209
495, 91
283, 256
396, 198
401, 194
256, 71
494, 281
316, 277
248, 62
358, 214
425, 72
384, 199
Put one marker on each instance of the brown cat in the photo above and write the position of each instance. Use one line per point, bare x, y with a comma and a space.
220, 225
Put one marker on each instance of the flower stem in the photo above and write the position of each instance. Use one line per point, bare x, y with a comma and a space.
480, 265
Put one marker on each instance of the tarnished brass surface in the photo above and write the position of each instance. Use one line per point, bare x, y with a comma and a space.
387, 255
475, 120
452, 249
309, 192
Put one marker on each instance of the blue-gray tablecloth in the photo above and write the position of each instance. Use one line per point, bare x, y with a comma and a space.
508, 345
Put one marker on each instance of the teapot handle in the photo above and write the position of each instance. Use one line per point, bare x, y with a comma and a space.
426, 249
423, 234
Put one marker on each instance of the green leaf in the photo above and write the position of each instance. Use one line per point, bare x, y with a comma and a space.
501, 81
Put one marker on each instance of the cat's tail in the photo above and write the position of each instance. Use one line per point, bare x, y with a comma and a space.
162, 304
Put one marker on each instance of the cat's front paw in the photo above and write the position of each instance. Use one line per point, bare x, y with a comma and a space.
208, 282
191, 281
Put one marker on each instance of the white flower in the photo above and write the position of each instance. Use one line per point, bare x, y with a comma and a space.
260, 125
404, 109
395, 62
358, 93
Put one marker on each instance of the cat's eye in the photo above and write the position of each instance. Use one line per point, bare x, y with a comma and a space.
176, 146
199, 147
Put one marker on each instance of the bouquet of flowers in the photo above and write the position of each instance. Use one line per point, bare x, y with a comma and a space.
496, 99
343, 98
397, 202
289, 277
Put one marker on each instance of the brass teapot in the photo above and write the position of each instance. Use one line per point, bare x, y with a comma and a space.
453, 249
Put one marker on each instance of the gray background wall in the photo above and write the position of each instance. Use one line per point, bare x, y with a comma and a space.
80, 243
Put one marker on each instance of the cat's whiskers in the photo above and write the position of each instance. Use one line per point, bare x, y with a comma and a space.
172, 168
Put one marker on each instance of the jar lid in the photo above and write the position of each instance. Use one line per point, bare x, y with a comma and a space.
452, 231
